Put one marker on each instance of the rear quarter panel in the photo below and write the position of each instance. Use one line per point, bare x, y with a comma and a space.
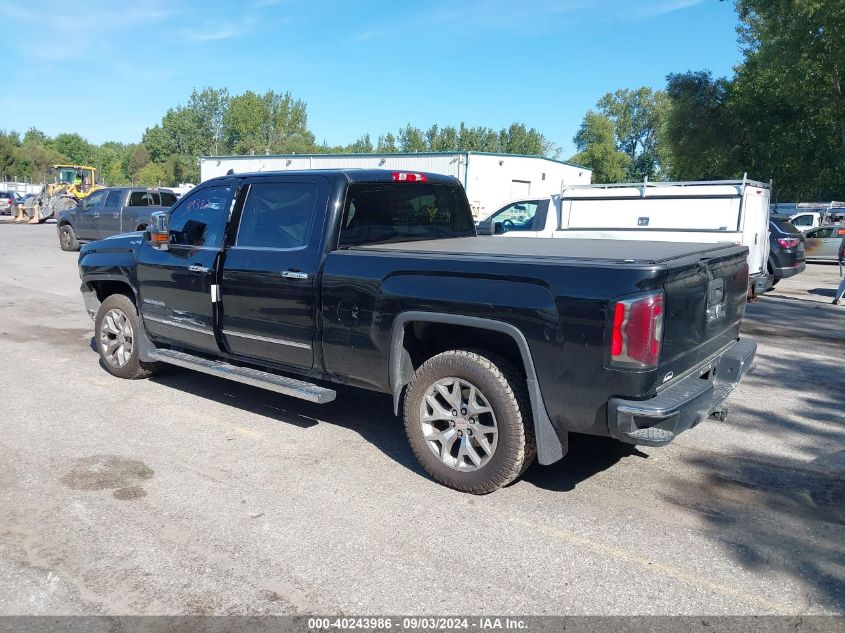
561, 309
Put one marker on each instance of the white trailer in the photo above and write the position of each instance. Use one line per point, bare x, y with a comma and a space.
489, 179
730, 211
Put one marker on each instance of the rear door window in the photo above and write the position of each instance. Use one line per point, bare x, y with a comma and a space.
168, 198
113, 199
144, 199
277, 215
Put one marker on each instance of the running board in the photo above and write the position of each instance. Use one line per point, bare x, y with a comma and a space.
256, 378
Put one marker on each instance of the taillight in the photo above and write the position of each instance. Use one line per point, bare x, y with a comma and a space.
404, 176
788, 242
637, 331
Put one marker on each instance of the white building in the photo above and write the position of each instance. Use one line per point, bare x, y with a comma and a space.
490, 180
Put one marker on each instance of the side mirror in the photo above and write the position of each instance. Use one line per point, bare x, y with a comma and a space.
485, 227
158, 232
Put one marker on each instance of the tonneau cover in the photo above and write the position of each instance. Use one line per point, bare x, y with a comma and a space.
604, 250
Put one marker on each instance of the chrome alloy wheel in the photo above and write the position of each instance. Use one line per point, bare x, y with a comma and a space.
116, 338
458, 424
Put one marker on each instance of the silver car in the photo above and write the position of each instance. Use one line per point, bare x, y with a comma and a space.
823, 242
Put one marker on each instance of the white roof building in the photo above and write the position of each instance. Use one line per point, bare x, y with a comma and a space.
490, 180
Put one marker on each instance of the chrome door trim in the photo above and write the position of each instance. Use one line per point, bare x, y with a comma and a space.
184, 326
266, 339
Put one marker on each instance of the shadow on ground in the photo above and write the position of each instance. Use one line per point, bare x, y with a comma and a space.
587, 456
823, 292
785, 517
783, 513
367, 413
370, 415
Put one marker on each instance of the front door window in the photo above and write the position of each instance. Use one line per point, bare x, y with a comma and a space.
518, 216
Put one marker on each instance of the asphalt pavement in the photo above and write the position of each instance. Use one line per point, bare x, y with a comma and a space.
187, 494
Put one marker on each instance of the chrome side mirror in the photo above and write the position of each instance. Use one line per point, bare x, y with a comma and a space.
158, 232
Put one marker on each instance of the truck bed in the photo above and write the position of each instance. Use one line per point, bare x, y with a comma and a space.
640, 252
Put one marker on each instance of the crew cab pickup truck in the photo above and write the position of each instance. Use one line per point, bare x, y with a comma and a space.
108, 212
495, 350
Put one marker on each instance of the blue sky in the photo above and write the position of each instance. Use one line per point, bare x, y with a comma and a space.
108, 70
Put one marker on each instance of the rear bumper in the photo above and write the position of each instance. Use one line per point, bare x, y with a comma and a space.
656, 421
783, 272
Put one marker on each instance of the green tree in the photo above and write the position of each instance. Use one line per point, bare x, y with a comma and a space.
701, 128
596, 144
77, 149
387, 143
270, 122
139, 157
153, 175
804, 41
35, 156
517, 139
209, 106
362, 145
9, 143
158, 142
638, 118
788, 95
411, 139
34, 136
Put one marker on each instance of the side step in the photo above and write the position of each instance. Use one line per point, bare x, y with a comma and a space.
256, 378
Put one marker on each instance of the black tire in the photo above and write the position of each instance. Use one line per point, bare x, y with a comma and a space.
67, 238
132, 368
504, 389
775, 282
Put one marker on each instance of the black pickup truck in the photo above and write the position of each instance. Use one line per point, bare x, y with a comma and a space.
495, 349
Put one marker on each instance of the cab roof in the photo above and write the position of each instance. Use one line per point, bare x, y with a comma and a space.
350, 175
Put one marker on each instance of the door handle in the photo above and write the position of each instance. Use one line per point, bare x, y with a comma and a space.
116, 215
294, 274
196, 268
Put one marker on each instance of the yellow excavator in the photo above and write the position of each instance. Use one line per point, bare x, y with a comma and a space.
71, 183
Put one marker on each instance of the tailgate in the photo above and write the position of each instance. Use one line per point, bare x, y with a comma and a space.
705, 301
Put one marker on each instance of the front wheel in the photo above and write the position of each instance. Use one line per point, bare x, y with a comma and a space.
67, 238
117, 329
468, 420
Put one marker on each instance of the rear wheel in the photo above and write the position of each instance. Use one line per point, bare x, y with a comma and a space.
468, 420
117, 329
67, 238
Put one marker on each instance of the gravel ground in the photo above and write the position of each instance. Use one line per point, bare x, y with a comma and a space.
186, 494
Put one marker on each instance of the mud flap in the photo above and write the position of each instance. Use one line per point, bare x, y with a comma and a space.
551, 445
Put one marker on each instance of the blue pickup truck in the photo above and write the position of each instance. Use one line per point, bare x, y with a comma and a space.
110, 211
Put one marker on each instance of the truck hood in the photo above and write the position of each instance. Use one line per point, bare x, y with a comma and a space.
122, 242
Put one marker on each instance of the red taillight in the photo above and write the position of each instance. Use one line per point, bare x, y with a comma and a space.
637, 331
616, 343
788, 242
404, 176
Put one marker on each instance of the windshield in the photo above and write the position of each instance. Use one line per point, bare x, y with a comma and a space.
378, 213
66, 176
